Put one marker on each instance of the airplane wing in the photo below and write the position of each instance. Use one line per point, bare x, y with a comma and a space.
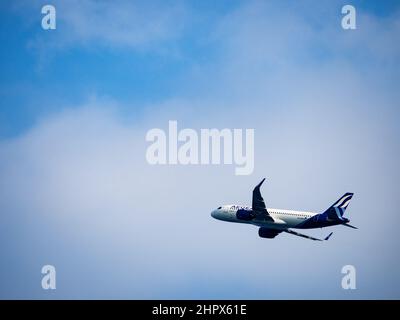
306, 236
258, 204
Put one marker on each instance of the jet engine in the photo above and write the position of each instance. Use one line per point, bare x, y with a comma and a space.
267, 233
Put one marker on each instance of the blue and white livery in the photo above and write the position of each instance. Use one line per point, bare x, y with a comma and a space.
271, 222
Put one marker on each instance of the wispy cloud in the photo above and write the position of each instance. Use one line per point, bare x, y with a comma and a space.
134, 25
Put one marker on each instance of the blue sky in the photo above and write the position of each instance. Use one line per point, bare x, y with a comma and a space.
35, 61
76, 103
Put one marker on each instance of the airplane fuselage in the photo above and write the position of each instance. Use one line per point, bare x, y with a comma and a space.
283, 219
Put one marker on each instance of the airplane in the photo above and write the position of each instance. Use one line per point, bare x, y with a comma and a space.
272, 222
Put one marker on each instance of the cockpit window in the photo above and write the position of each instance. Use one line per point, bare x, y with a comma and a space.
219, 208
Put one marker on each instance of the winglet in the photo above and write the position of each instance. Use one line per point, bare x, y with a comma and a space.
327, 238
349, 225
259, 185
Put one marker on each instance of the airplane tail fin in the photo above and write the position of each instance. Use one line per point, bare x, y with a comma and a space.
336, 211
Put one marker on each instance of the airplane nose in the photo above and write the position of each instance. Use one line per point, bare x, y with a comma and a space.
217, 214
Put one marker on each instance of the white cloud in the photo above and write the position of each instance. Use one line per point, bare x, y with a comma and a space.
79, 185
77, 190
